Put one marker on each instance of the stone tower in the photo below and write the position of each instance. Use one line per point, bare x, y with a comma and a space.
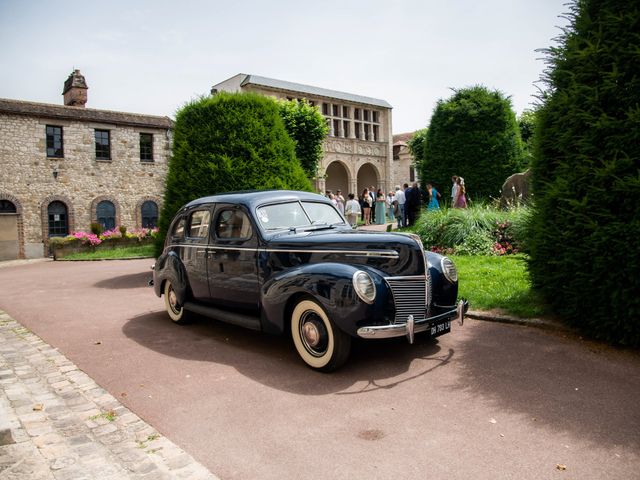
75, 90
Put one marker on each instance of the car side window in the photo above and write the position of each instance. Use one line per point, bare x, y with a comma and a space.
178, 229
233, 224
199, 224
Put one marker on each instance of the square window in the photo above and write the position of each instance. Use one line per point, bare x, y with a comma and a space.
325, 108
336, 128
376, 134
356, 114
345, 128
375, 116
336, 111
345, 112
357, 127
103, 144
146, 147
54, 141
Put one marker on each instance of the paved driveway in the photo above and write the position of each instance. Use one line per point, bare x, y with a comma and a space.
488, 401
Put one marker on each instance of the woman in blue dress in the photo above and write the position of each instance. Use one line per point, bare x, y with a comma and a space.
434, 195
381, 210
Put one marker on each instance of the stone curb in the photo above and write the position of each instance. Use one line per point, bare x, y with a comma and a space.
528, 322
56, 423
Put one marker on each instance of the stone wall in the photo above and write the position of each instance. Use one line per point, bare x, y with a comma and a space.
30, 177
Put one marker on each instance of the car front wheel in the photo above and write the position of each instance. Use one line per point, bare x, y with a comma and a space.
319, 342
178, 314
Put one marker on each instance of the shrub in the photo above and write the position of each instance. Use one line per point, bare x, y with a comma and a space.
472, 231
123, 231
473, 134
477, 242
228, 142
308, 128
96, 228
586, 221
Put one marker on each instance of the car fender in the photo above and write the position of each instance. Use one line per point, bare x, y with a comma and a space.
444, 292
170, 267
331, 285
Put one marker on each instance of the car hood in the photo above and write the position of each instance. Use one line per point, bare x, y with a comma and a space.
392, 254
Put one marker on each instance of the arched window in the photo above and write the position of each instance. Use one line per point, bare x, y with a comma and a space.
106, 214
58, 221
7, 207
149, 214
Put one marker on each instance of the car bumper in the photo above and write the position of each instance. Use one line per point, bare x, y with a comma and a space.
412, 327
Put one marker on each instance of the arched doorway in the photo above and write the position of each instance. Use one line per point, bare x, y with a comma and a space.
367, 177
58, 219
337, 179
9, 238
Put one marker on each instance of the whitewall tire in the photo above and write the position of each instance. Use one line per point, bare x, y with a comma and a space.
178, 314
318, 341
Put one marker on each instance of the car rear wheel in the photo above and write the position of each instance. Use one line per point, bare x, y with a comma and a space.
319, 342
178, 314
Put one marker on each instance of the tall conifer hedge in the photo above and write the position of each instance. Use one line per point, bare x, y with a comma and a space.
586, 173
225, 143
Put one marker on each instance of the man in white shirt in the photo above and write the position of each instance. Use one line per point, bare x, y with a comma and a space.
401, 201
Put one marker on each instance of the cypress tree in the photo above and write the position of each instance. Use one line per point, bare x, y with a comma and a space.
586, 173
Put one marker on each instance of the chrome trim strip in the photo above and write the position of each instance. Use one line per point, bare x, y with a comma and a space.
348, 253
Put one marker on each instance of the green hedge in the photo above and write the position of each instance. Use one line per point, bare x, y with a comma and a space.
586, 173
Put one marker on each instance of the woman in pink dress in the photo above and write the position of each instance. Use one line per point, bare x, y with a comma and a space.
461, 199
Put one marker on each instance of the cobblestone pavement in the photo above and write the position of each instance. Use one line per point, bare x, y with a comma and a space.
57, 423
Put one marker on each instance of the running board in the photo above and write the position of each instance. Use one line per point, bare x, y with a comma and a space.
246, 321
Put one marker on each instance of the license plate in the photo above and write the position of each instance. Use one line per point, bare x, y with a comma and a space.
441, 328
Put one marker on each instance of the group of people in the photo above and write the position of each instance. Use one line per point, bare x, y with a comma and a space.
402, 205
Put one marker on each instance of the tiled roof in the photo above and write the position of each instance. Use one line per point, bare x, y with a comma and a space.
19, 107
310, 90
403, 138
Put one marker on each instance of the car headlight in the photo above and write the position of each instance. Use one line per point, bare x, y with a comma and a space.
364, 286
449, 269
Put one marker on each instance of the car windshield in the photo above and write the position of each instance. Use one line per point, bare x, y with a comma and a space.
297, 215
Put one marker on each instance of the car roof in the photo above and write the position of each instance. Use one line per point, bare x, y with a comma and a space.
253, 198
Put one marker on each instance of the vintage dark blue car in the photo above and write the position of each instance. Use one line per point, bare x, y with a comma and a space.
285, 261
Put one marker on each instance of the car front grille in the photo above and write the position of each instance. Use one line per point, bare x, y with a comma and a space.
409, 296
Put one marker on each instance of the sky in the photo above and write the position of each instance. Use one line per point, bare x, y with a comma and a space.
152, 57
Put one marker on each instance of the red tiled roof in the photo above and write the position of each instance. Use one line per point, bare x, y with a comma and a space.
20, 107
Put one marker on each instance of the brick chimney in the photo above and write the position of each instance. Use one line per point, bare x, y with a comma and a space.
75, 90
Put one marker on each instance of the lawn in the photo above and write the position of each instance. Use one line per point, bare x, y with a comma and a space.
136, 251
498, 283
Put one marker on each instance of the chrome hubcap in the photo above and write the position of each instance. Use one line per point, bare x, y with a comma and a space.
313, 333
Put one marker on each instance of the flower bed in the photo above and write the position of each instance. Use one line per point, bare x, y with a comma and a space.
87, 242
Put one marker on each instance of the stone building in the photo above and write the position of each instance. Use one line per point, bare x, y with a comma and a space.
403, 166
63, 167
357, 151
